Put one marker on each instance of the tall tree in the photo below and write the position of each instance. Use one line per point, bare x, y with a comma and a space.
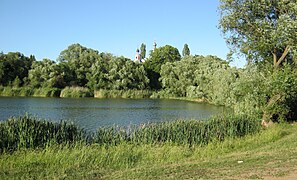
118, 73
14, 65
265, 31
157, 58
46, 73
186, 50
79, 60
143, 50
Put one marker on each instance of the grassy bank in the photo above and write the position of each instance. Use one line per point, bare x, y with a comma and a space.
76, 92
29, 91
268, 153
130, 93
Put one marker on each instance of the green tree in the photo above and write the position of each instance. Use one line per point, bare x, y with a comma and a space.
119, 73
79, 60
265, 31
13, 65
143, 50
186, 50
98, 76
157, 58
194, 77
47, 74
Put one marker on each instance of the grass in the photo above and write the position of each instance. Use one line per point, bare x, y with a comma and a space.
29, 132
263, 153
130, 93
29, 91
76, 92
271, 152
189, 133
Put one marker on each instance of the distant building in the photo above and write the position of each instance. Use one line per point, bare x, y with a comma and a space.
138, 56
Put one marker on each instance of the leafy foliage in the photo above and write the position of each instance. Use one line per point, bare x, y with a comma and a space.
117, 74
14, 66
46, 73
264, 30
78, 61
159, 57
192, 77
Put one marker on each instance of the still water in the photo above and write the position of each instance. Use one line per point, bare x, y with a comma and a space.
91, 113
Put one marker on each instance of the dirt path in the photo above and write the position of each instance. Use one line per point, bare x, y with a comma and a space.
291, 176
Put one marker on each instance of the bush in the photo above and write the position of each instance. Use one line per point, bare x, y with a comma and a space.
47, 92
76, 92
130, 93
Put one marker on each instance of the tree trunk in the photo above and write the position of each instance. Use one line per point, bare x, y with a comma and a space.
267, 118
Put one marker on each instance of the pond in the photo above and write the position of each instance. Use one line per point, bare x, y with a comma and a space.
91, 113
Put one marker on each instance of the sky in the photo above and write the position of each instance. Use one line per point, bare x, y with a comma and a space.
45, 28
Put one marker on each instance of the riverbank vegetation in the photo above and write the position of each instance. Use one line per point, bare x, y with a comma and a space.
130, 93
29, 91
29, 132
236, 149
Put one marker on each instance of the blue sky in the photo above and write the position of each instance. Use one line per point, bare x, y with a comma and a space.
45, 28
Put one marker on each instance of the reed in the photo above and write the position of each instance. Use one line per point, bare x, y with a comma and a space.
76, 92
29, 91
182, 132
130, 93
16, 91
29, 132
46, 92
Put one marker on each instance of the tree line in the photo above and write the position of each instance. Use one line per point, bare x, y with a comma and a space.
85, 67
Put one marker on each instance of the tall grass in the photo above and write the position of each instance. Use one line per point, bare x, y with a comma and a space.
29, 132
29, 91
180, 132
76, 92
131, 161
47, 92
16, 91
130, 93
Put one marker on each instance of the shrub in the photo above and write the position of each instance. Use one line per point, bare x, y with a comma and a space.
76, 92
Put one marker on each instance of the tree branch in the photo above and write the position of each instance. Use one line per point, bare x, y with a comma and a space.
274, 57
285, 53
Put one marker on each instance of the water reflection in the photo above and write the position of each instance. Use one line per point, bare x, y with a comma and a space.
91, 113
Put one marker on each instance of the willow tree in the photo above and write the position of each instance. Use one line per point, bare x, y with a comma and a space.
263, 30
266, 32
78, 61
